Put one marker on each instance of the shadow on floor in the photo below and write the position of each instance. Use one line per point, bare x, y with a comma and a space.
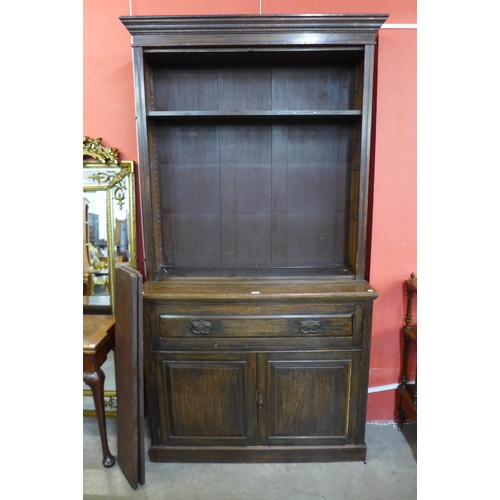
409, 432
389, 473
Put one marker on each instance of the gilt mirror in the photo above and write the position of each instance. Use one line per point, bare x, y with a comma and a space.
109, 227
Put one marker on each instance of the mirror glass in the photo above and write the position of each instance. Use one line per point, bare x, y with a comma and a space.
109, 238
109, 220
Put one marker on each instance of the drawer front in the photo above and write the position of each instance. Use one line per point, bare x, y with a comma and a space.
189, 326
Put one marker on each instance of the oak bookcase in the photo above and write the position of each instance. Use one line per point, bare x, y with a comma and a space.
254, 138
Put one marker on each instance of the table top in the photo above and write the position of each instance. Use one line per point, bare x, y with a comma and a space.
96, 304
97, 330
99, 272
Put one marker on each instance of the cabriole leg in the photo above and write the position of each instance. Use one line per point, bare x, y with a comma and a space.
96, 382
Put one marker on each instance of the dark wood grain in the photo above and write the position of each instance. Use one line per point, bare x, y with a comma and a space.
98, 341
129, 370
408, 390
254, 195
258, 326
308, 397
206, 398
254, 140
97, 304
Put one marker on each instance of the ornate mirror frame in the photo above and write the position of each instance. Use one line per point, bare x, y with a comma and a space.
116, 179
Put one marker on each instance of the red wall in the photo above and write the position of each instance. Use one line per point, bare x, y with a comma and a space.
108, 112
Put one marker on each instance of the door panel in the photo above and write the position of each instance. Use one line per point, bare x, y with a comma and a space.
129, 374
206, 398
306, 397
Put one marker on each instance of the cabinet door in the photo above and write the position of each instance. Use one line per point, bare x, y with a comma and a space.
206, 398
307, 398
129, 375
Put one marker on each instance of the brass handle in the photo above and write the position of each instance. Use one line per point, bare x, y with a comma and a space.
260, 401
310, 326
201, 327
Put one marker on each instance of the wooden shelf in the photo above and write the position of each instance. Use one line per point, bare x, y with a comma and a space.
254, 115
249, 113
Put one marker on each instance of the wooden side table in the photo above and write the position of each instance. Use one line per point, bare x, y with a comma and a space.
98, 340
97, 304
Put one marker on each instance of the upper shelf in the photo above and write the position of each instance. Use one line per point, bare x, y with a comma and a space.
264, 90
249, 114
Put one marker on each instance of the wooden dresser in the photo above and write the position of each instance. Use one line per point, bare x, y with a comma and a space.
254, 140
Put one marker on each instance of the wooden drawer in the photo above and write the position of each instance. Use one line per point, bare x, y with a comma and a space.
189, 326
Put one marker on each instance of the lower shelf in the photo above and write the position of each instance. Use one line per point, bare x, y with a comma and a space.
259, 454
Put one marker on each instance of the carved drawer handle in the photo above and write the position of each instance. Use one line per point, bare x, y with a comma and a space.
310, 326
201, 327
